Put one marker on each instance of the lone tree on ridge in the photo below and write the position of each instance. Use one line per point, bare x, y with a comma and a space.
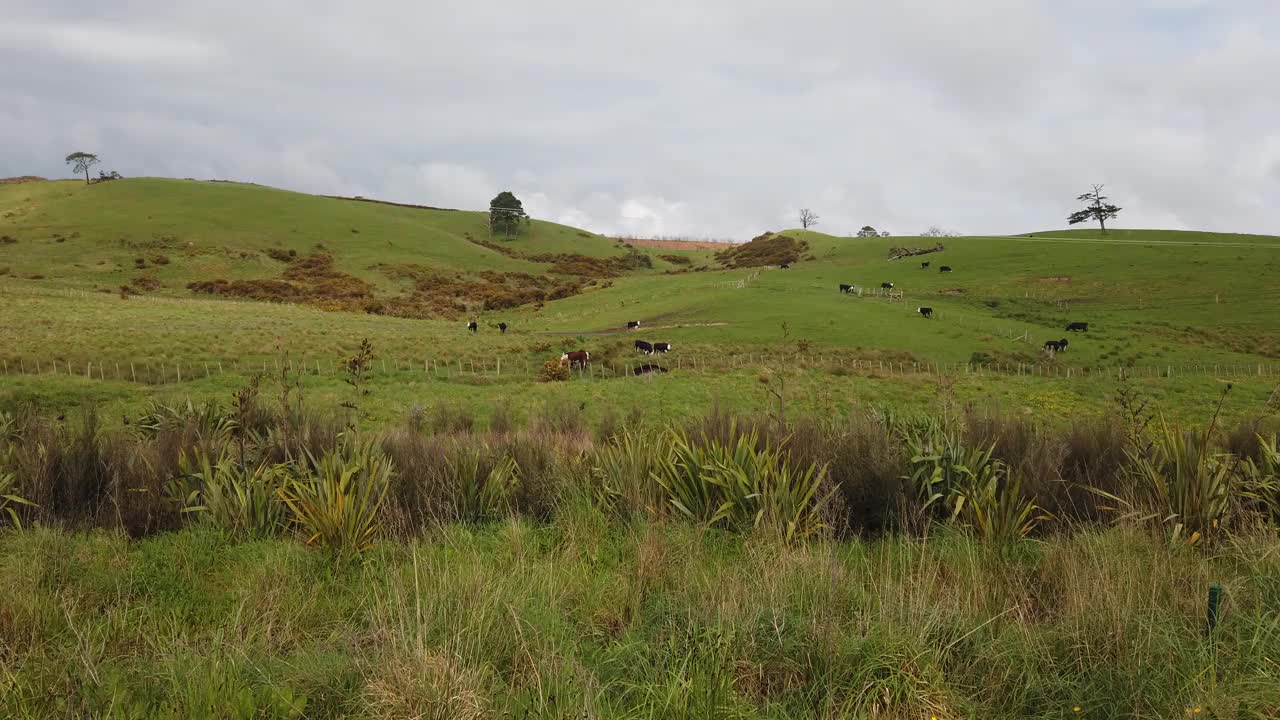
506, 212
83, 161
808, 218
1097, 209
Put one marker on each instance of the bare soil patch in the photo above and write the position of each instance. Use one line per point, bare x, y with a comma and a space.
680, 244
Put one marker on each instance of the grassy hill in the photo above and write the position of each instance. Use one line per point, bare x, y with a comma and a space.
1200, 302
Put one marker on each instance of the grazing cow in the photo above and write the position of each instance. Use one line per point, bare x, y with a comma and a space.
1078, 327
925, 312
945, 268
886, 286
924, 265
644, 347
662, 347
647, 368
502, 328
1056, 346
784, 266
576, 358
846, 288
471, 326
633, 324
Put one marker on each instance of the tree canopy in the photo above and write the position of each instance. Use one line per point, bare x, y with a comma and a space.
506, 213
868, 231
1097, 209
82, 161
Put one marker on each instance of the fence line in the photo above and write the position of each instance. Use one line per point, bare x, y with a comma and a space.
160, 372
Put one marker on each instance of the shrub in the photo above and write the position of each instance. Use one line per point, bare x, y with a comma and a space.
554, 371
623, 470
242, 500
336, 501
1183, 484
9, 500
481, 483
740, 485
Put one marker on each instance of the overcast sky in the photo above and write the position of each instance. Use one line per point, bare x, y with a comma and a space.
682, 117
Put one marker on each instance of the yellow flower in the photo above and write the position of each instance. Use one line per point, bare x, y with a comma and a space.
1196, 711
1075, 709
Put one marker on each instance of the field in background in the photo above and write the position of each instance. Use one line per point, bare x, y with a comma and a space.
1197, 306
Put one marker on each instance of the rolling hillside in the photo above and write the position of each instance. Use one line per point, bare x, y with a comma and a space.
1154, 299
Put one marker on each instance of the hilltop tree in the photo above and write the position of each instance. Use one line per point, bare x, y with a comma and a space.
506, 212
1097, 209
808, 218
936, 232
868, 231
82, 162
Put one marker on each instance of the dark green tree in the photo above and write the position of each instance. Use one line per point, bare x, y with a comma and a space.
506, 213
1097, 209
868, 231
82, 162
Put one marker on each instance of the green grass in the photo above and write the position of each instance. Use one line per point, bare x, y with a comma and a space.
585, 618
1200, 302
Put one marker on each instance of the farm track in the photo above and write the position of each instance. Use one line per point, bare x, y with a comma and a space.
1144, 243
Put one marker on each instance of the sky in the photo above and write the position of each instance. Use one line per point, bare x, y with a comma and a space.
693, 118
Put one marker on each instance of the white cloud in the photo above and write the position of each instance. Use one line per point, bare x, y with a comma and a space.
705, 119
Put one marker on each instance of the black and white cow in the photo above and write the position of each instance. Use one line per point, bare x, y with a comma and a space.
576, 358
925, 312
644, 347
924, 265
472, 326
945, 268
662, 347
886, 286
846, 288
502, 328
1078, 327
633, 324
1056, 346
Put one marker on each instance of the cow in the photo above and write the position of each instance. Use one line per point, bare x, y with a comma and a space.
502, 328
644, 347
662, 347
647, 368
1078, 327
576, 358
945, 268
1056, 346
472, 326
784, 266
886, 286
846, 288
924, 265
633, 324
925, 312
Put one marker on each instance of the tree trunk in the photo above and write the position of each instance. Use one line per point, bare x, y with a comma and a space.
86, 176
1103, 223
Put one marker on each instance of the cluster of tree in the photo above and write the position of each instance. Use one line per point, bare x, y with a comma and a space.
869, 232
936, 232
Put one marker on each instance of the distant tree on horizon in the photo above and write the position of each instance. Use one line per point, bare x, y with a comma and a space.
868, 231
936, 232
82, 162
1097, 209
506, 212
808, 218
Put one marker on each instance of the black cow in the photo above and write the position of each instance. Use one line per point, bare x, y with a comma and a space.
647, 368
644, 347
576, 358
924, 265
925, 312
1078, 327
633, 324
502, 328
886, 286
846, 288
945, 268
784, 266
662, 347
1056, 346
471, 326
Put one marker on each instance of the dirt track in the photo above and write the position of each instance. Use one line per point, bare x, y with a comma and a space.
681, 244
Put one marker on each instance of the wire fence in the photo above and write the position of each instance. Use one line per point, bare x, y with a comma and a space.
515, 369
